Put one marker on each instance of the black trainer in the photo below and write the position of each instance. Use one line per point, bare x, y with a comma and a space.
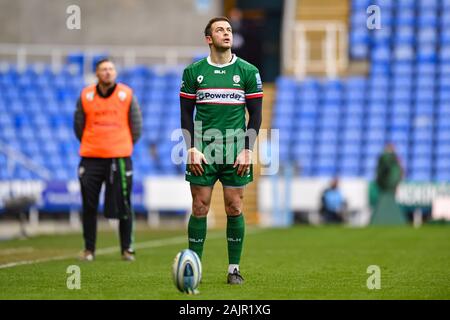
235, 277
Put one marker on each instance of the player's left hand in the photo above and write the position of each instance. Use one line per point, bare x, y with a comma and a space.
243, 162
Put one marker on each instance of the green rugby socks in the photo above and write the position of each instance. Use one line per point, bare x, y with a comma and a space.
197, 234
235, 238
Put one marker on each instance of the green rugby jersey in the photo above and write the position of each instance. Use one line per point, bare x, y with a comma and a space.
220, 92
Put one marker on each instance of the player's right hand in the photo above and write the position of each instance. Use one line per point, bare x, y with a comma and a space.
195, 160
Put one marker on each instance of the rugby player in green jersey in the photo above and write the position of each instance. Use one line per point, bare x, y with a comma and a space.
220, 88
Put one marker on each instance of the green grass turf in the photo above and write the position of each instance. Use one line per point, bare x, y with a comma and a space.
294, 263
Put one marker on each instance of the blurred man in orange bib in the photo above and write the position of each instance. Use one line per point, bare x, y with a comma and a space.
108, 122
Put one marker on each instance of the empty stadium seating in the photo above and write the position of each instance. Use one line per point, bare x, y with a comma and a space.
37, 106
340, 126
327, 126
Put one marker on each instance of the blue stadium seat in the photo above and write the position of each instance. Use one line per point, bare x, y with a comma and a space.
308, 96
442, 136
444, 81
330, 111
427, 18
405, 4
445, 18
358, 5
442, 164
325, 167
399, 121
285, 136
376, 122
307, 109
421, 149
306, 120
332, 96
443, 109
327, 138
375, 135
404, 52
425, 95
421, 161
352, 121
303, 150
442, 176
304, 136
402, 68
400, 98
371, 158
282, 122
420, 175
286, 97
285, 82
380, 82
381, 54
425, 82
285, 108
426, 69
428, 5
444, 95
355, 83
423, 135
383, 36
355, 108
402, 82
405, 17
405, 33
378, 95
350, 149
444, 53
326, 142
358, 18
380, 69
377, 109
349, 167
427, 53
359, 51
399, 136
332, 84
284, 150
427, 36
424, 107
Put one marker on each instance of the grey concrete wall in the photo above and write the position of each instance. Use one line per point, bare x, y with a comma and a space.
107, 22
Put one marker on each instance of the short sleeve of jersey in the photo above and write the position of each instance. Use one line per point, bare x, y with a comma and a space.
253, 84
188, 85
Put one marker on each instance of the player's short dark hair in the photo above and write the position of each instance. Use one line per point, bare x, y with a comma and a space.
99, 62
208, 31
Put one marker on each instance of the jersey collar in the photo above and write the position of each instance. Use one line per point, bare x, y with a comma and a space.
233, 60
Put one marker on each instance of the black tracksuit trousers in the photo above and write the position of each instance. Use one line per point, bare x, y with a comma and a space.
116, 173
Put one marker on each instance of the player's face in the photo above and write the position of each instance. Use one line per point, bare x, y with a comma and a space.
221, 35
106, 73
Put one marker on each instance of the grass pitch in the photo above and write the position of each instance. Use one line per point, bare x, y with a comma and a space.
294, 263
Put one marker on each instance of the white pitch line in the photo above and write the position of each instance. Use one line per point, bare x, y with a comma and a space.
11, 251
104, 251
